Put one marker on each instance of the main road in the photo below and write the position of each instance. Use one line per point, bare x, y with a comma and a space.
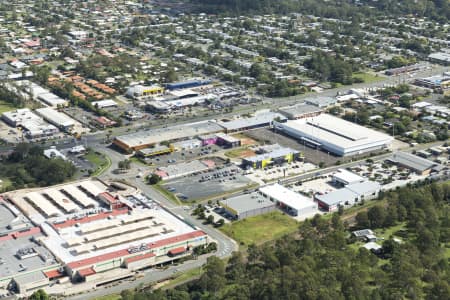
100, 137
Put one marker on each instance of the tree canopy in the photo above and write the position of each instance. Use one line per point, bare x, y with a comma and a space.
26, 166
438, 10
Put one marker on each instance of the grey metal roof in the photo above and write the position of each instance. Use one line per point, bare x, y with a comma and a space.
158, 135
321, 101
247, 202
29, 278
440, 56
299, 109
412, 161
364, 188
11, 264
337, 196
362, 232
258, 120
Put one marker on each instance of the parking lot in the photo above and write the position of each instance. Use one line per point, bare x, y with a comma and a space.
381, 172
217, 212
311, 187
10, 134
82, 116
182, 155
271, 173
314, 156
208, 184
390, 176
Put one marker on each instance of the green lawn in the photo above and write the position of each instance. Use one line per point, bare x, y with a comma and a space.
388, 232
447, 252
260, 229
183, 277
167, 194
138, 161
6, 182
367, 77
100, 161
235, 152
5, 106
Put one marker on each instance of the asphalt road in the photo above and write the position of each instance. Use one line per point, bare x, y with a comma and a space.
99, 137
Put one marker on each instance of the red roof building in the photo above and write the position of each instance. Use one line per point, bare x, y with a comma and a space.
139, 257
90, 218
125, 254
177, 251
86, 272
26, 232
53, 274
105, 122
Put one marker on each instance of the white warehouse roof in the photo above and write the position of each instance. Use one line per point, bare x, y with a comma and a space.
104, 103
335, 134
39, 201
52, 100
55, 117
284, 195
347, 177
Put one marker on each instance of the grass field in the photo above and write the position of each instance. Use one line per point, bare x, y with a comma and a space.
367, 77
239, 153
5, 106
167, 194
183, 277
6, 182
260, 229
388, 232
101, 162
138, 161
